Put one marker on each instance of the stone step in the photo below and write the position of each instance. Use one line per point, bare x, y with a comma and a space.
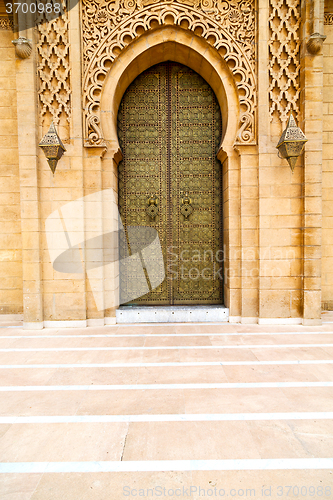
171, 314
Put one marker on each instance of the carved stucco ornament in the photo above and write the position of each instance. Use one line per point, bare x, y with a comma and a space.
284, 58
108, 26
54, 71
328, 19
6, 23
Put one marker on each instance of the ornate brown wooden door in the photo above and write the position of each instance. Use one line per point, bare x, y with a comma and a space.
169, 127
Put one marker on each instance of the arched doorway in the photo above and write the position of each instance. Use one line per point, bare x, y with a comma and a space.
169, 129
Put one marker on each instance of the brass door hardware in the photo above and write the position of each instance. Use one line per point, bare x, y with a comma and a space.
186, 208
152, 209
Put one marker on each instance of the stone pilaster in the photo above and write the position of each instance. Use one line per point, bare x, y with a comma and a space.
27, 119
249, 211
312, 125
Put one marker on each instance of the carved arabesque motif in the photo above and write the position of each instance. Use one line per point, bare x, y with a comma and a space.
328, 19
108, 26
284, 58
53, 66
6, 23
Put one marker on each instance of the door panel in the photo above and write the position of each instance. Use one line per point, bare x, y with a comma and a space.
169, 130
142, 130
195, 136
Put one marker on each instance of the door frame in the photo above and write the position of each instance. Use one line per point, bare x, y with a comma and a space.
174, 43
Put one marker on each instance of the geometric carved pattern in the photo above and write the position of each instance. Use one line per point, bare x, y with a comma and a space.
53, 66
284, 58
328, 19
6, 23
108, 26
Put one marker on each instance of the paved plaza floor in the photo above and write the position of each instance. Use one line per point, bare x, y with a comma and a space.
167, 411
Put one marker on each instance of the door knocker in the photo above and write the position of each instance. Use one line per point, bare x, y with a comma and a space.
152, 209
186, 208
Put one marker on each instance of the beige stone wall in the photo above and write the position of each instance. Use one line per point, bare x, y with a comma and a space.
11, 301
272, 218
327, 249
280, 206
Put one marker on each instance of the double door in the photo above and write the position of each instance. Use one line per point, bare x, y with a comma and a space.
169, 127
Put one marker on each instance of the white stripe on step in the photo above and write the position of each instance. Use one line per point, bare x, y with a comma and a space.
123, 387
135, 335
136, 348
168, 465
175, 364
207, 417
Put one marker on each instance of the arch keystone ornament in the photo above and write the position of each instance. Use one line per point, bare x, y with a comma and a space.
110, 26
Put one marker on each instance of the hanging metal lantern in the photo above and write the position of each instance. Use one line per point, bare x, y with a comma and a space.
53, 147
291, 143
